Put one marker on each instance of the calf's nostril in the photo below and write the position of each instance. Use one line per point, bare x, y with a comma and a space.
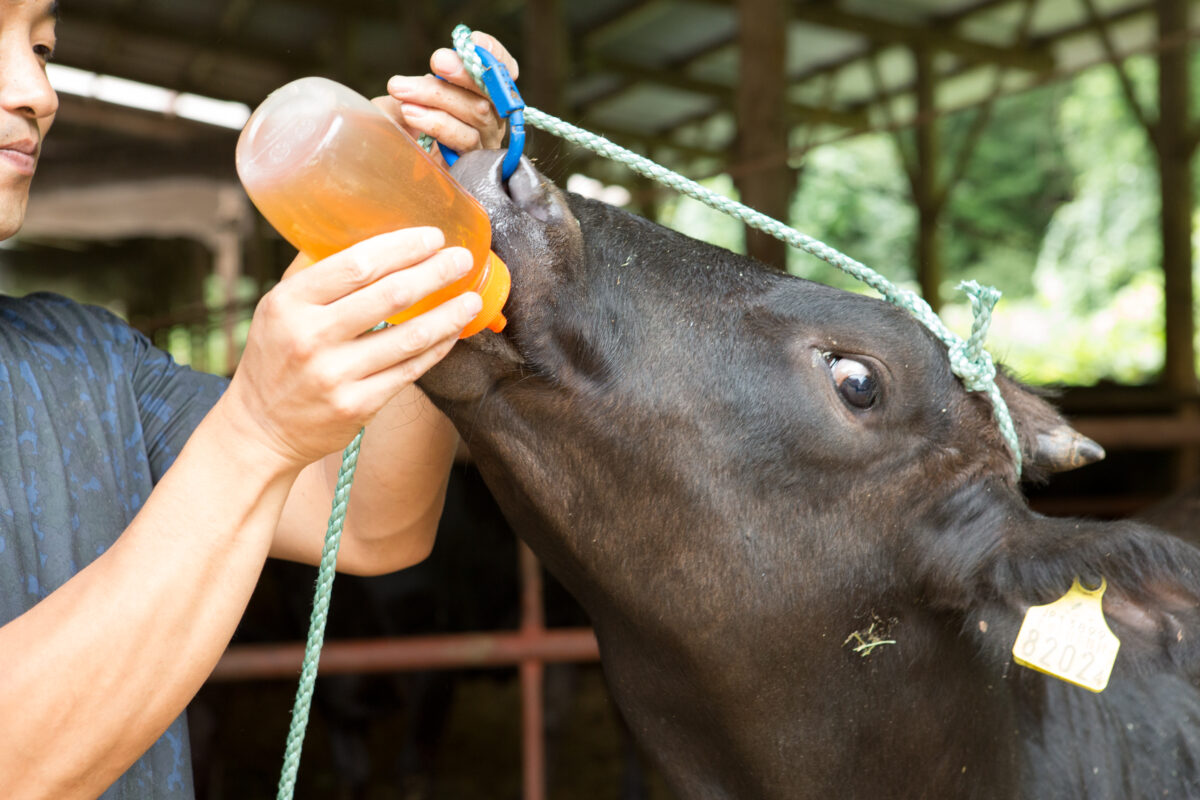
531, 193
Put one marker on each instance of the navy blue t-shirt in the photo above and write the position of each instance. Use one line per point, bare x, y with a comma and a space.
91, 416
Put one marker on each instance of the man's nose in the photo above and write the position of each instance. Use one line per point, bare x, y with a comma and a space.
24, 87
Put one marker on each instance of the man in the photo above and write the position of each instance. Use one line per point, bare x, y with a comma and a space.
121, 582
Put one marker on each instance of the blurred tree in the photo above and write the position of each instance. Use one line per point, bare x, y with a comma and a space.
1016, 179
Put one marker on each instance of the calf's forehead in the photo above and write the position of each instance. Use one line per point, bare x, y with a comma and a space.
714, 283
683, 295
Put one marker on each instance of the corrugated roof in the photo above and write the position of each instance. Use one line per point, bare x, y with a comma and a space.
652, 74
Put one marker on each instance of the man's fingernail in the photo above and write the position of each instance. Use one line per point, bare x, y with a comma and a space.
397, 84
444, 60
472, 303
432, 238
463, 260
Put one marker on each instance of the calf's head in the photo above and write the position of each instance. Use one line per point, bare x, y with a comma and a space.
641, 365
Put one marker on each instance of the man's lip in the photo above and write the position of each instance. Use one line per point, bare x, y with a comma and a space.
21, 155
27, 146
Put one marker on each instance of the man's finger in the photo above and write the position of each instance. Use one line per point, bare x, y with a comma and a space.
398, 291
493, 46
446, 64
451, 131
365, 263
429, 93
435, 330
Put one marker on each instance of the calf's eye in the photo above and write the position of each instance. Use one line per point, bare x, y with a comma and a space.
854, 381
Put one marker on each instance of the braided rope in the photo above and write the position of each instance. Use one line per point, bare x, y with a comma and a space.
969, 361
320, 615
316, 625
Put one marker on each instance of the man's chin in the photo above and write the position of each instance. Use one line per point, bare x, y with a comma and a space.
12, 214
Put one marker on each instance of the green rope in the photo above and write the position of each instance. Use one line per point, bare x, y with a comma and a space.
969, 361
316, 625
320, 614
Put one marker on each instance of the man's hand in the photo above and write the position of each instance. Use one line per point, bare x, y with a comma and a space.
312, 374
453, 110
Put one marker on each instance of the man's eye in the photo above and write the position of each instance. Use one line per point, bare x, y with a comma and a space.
854, 381
43, 51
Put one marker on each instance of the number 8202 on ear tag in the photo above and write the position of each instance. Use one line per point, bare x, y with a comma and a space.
1069, 639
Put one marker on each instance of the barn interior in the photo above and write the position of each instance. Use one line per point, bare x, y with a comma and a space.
136, 206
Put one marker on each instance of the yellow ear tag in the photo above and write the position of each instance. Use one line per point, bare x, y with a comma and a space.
1069, 639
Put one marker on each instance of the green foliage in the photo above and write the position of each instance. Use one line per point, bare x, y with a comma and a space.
854, 196
1097, 277
1015, 180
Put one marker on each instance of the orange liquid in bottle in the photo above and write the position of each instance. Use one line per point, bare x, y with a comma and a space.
328, 169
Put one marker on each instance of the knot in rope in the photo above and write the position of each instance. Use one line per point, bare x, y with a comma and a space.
968, 359
976, 372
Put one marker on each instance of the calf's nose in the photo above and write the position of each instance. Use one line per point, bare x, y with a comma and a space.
527, 190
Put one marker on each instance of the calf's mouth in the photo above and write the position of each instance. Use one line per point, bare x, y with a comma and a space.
533, 230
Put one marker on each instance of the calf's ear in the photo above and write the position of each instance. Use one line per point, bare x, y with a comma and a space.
1152, 600
1048, 443
982, 554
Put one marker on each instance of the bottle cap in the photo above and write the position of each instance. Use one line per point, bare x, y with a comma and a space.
493, 288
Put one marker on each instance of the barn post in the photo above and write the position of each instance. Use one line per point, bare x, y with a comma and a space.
543, 86
760, 105
1174, 146
1173, 137
543, 77
924, 177
532, 672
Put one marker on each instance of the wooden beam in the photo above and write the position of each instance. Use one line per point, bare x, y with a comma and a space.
926, 194
1101, 26
1173, 149
262, 60
1039, 42
615, 25
543, 82
760, 103
924, 36
90, 113
1151, 48
983, 114
676, 78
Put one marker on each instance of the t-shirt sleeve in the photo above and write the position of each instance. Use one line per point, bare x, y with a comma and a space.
171, 398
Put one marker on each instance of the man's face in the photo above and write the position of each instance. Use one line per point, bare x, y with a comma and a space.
27, 103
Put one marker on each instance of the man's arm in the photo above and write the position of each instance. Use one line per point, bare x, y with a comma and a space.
396, 500
95, 672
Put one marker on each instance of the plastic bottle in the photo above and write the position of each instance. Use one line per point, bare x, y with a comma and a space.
327, 169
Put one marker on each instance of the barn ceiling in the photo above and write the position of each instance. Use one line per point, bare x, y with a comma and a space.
655, 75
